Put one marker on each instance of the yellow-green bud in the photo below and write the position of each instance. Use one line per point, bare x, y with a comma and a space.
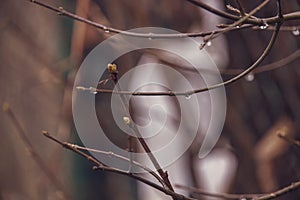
126, 120
112, 68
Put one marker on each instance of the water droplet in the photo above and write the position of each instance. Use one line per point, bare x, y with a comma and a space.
264, 26
106, 30
93, 90
208, 43
150, 36
188, 96
296, 32
250, 77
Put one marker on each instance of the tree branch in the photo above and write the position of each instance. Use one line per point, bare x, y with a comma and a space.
102, 166
267, 196
106, 29
289, 140
163, 174
191, 92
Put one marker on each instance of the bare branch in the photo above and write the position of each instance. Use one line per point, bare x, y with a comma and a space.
254, 21
289, 140
267, 196
280, 192
242, 20
111, 154
217, 195
163, 174
106, 29
214, 10
264, 68
102, 166
188, 93
240, 7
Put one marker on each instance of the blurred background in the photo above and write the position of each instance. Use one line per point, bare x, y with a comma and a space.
41, 51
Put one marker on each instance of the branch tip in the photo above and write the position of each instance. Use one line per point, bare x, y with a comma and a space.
281, 135
46, 133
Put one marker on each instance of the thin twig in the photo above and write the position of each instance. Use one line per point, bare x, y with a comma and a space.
285, 190
278, 64
267, 196
102, 166
163, 174
264, 68
241, 21
33, 153
289, 140
106, 29
254, 21
215, 11
188, 93
111, 154
216, 195
240, 7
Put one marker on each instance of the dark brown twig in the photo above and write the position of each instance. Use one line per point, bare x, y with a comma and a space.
250, 20
244, 19
280, 192
264, 68
254, 21
111, 154
102, 166
217, 195
188, 93
216, 11
267, 196
289, 140
240, 7
163, 174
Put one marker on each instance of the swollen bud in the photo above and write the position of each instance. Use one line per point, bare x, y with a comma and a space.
112, 68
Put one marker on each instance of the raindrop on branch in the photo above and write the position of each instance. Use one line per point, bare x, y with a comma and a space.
106, 30
264, 26
250, 77
296, 32
93, 90
208, 43
150, 36
188, 96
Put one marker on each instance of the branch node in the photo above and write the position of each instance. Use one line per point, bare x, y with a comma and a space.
233, 9
46, 133
60, 10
